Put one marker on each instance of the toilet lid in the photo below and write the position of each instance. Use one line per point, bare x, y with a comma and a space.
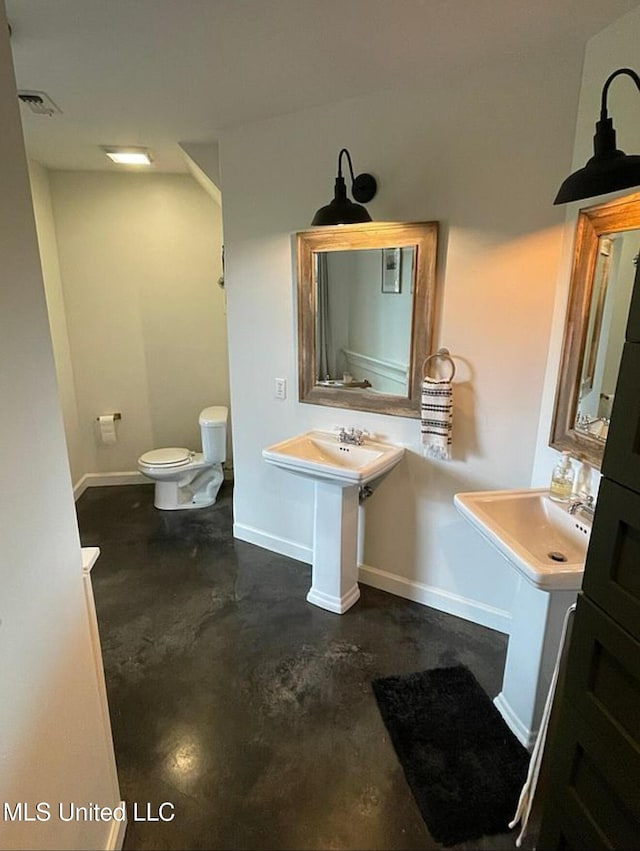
170, 457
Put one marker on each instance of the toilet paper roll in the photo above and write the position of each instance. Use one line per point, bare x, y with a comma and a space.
107, 424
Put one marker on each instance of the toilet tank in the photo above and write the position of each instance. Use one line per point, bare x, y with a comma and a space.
213, 431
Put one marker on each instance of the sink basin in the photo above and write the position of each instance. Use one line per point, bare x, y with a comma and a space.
535, 534
319, 455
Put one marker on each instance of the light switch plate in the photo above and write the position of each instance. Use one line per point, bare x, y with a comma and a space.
281, 388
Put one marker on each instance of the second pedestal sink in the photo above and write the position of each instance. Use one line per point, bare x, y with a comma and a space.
339, 470
546, 545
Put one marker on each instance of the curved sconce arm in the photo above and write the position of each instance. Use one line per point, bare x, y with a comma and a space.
342, 210
605, 91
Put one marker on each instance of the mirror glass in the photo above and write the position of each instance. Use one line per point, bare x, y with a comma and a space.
616, 263
364, 300
366, 296
607, 243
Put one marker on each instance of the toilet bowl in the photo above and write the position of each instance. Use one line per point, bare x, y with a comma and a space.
186, 479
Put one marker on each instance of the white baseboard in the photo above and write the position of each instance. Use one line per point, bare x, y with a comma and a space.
282, 546
95, 480
133, 477
525, 736
115, 840
418, 592
443, 601
338, 605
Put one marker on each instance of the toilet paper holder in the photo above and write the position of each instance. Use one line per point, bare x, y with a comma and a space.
117, 416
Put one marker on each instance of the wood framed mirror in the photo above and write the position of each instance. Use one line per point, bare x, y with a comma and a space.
606, 247
366, 305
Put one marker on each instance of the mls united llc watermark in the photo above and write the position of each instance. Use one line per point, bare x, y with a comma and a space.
43, 811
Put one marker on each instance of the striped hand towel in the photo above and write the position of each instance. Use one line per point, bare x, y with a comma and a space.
436, 412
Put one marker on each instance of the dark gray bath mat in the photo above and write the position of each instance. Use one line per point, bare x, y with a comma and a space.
463, 764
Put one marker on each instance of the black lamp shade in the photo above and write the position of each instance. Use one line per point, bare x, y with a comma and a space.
599, 176
341, 211
347, 213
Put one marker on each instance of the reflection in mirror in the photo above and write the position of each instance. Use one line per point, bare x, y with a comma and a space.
363, 318
615, 268
607, 243
366, 296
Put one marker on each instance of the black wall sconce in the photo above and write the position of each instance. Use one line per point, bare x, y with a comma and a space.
608, 169
343, 211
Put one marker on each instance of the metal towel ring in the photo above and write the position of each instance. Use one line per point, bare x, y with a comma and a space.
444, 355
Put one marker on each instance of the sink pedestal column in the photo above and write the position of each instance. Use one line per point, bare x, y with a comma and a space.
536, 629
334, 583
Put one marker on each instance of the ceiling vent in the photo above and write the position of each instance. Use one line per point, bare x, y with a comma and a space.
38, 102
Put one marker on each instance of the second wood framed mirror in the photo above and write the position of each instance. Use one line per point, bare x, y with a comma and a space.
605, 263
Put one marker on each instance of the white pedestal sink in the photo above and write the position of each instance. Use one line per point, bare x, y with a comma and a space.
531, 532
339, 471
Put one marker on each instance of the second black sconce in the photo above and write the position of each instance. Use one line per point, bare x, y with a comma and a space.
609, 169
343, 211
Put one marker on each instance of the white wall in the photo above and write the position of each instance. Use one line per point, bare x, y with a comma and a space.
483, 155
140, 260
45, 225
54, 745
614, 47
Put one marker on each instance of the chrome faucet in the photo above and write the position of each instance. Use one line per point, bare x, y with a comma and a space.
584, 503
352, 435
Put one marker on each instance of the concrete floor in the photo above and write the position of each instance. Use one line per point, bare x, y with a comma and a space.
241, 704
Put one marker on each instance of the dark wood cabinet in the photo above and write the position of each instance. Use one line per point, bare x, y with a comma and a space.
604, 685
592, 798
612, 577
633, 323
621, 461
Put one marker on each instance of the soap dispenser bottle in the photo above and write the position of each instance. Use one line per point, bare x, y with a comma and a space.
562, 479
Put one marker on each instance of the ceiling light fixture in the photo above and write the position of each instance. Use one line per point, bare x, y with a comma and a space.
608, 169
343, 211
128, 156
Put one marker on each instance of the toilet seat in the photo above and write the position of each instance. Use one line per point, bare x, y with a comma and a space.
172, 456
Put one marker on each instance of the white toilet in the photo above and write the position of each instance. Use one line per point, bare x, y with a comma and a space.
186, 479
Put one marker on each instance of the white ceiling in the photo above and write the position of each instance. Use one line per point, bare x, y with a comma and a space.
156, 72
